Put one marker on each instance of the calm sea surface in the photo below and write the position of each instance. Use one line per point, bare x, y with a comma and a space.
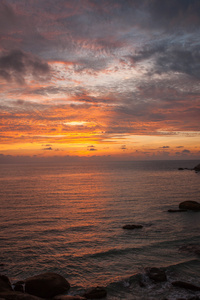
68, 218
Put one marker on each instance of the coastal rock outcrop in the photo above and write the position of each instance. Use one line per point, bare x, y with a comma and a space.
46, 285
191, 205
132, 226
95, 293
197, 168
156, 274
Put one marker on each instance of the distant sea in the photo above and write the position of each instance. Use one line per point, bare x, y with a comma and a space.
68, 218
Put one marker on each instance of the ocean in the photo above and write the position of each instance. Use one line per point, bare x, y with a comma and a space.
68, 219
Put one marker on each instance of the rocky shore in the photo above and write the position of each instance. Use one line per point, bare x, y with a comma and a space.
52, 286
196, 168
49, 286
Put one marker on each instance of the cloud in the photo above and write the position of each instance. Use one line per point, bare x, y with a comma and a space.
91, 148
180, 147
123, 147
7, 16
167, 57
186, 151
174, 13
16, 65
165, 147
47, 148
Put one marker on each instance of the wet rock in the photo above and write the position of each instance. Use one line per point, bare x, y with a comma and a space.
18, 287
69, 297
132, 226
191, 205
46, 285
176, 210
19, 282
156, 274
95, 293
5, 284
141, 283
12, 295
186, 285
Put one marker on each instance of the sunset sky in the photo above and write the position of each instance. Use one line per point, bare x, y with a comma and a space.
100, 78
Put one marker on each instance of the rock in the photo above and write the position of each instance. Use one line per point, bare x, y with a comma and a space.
18, 287
132, 226
11, 295
5, 284
176, 210
19, 282
141, 283
46, 285
197, 168
95, 293
156, 274
191, 205
186, 285
69, 297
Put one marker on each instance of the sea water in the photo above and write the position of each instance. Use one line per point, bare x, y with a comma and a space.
68, 218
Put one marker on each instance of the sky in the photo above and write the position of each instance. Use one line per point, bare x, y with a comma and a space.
116, 79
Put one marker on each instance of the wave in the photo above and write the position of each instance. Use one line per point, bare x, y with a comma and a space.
140, 286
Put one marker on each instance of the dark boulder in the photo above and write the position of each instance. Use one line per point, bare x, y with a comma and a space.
18, 287
5, 284
12, 295
156, 274
46, 285
186, 285
197, 168
132, 226
176, 210
191, 205
95, 293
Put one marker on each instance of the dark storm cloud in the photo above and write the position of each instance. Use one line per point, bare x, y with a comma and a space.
7, 16
173, 13
180, 60
92, 26
16, 64
169, 58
